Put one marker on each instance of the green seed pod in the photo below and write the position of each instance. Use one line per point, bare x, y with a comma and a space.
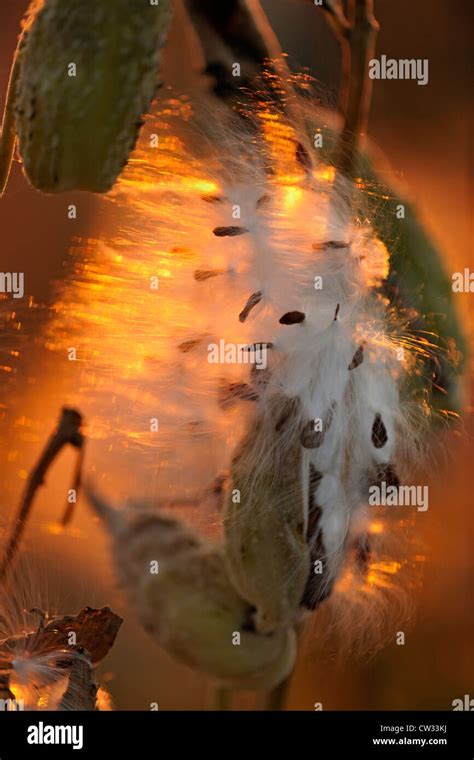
178, 583
266, 552
197, 616
87, 73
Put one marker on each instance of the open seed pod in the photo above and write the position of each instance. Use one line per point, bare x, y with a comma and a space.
178, 583
266, 553
86, 74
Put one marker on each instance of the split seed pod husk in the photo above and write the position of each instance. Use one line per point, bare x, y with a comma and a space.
266, 553
189, 605
86, 74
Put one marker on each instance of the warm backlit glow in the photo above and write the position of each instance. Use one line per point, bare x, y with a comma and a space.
380, 573
376, 527
292, 195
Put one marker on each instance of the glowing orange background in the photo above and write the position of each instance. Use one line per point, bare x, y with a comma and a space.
425, 133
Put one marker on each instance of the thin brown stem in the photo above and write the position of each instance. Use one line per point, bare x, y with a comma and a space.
223, 698
359, 48
357, 34
68, 431
76, 485
277, 698
336, 16
8, 130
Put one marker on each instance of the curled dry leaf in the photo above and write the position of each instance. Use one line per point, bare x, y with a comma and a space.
95, 629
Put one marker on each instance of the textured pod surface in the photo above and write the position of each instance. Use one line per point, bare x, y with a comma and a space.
189, 605
267, 556
195, 613
88, 72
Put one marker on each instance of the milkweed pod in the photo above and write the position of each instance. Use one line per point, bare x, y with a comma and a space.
87, 72
266, 552
188, 603
196, 615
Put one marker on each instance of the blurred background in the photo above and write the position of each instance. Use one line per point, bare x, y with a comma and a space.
426, 135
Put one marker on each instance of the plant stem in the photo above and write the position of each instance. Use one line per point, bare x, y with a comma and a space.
223, 698
277, 698
76, 485
8, 131
358, 48
357, 34
336, 16
68, 431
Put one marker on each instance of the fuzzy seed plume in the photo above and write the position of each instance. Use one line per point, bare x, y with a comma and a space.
257, 335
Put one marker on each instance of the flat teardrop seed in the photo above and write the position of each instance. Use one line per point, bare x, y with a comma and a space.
335, 245
303, 157
292, 318
252, 301
229, 231
358, 358
379, 433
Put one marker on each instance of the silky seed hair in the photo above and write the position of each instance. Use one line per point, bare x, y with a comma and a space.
37, 679
252, 249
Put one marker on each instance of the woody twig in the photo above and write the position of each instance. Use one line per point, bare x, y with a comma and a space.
67, 432
357, 34
336, 16
76, 485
